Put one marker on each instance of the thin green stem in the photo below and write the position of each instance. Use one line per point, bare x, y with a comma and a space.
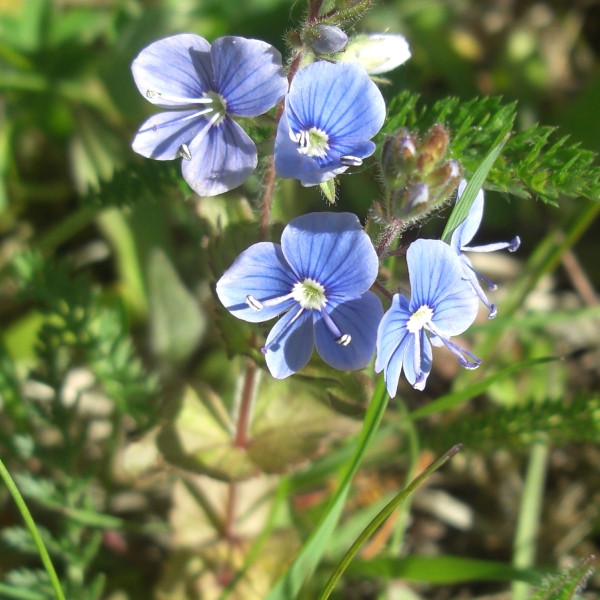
529, 515
33, 530
414, 451
381, 517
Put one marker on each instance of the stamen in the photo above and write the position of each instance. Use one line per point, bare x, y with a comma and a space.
313, 142
457, 350
181, 119
343, 339
510, 246
275, 340
182, 99
350, 161
253, 303
184, 152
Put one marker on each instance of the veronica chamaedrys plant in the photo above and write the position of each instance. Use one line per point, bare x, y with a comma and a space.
331, 113
442, 304
461, 237
319, 277
204, 87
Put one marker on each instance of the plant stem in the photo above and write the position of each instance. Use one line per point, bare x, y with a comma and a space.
529, 515
33, 530
244, 415
414, 451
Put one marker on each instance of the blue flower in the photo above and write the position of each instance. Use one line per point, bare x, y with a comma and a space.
461, 237
319, 278
442, 304
331, 113
204, 87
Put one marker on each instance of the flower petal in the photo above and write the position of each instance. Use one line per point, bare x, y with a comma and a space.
358, 318
433, 270
465, 232
333, 249
222, 158
289, 163
262, 272
392, 330
418, 367
162, 136
174, 71
378, 52
338, 98
293, 346
248, 74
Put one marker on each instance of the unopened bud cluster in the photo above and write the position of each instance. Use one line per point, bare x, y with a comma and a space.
417, 175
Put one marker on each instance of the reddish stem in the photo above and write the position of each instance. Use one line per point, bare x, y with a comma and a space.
242, 431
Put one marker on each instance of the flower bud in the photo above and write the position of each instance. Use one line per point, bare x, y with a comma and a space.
378, 52
398, 154
326, 39
433, 148
418, 177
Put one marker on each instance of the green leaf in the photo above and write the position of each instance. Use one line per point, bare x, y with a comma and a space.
306, 562
177, 322
536, 163
567, 585
462, 207
454, 399
442, 570
380, 518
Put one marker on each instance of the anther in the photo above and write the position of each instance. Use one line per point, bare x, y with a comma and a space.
344, 339
184, 152
351, 161
253, 303
514, 244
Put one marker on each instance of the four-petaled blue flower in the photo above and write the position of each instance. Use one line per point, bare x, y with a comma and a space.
461, 237
442, 304
331, 113
319, 277
204, 87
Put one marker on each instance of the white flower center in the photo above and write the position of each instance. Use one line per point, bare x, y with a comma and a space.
313, 142
216, 107
419, 319
309, 294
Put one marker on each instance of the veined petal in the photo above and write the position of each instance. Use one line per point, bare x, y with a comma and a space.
358, 318
434, 270
293, 346
261, 272
248, 74
465, 232
165, 134
333, 249
291, 163
418, 360
174, 71
392, 331
338, 98
393, 368
222, 158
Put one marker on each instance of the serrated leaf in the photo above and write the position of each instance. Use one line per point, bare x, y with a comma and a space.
567, 585
536, 163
